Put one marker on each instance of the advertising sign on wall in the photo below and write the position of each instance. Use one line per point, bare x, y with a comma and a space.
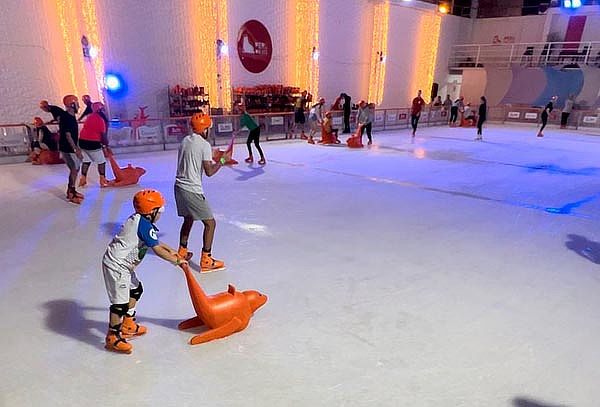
254, 46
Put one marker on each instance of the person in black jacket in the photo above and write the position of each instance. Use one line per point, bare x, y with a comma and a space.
347, 106
546, 113
482, 118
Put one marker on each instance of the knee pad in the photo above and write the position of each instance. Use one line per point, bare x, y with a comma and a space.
119, 309
136, 293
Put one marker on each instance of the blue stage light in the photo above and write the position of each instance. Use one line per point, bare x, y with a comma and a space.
113, 82
571, 4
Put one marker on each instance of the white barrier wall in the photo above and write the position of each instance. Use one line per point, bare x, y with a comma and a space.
149, 44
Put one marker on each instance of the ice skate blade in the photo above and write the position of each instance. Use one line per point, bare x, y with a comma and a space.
207, 271
111, 349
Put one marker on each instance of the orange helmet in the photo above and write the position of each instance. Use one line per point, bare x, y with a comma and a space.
147, 200
86, 99
38, 122
200, 122
69, 100
97, 106
44, 104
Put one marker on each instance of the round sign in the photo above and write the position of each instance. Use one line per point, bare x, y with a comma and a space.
254, 46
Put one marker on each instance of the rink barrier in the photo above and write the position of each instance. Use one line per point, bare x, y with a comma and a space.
132, 135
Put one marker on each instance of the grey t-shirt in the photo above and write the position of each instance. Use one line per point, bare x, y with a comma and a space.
193, 150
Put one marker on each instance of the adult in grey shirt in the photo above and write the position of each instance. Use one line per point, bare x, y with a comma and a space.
567, 111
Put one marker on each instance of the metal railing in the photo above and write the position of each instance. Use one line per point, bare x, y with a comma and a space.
578, 119
165, 134
533, 54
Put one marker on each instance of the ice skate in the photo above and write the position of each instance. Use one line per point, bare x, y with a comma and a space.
116, 343
184, 254
208, 264
103, 181
131, 328
262, 161
249, 160
82, 181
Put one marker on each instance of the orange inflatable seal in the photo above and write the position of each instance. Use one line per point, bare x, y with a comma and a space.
327, 138
355, 141
224, 313
46, 157
123, 176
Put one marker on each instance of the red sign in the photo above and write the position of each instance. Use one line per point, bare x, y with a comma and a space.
254, 46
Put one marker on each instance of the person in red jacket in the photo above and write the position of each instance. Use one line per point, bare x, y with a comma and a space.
415, 112
92, 140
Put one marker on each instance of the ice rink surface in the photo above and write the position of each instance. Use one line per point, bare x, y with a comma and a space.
441, 273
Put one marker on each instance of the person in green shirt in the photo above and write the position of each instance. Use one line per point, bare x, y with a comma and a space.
247, 121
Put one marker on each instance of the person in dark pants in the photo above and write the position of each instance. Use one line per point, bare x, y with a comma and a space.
347, 106
545, 113
458, 103
482, 118
415, 111
254, 137
68, 145
566, 112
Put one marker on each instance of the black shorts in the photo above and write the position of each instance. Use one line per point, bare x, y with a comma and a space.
299, 116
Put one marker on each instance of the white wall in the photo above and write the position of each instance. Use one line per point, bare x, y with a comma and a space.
404, 29
345, 37
150, 46
26, 74
275, 16
523, 29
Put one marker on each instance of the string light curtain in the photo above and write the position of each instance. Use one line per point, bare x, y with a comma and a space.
204, 28
306, 73
426, 53
381, 18
223, 35
71, 42
91, 29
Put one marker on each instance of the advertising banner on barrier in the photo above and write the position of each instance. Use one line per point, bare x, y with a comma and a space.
531, 116
590, 119
277, 121
514, 115
224, 128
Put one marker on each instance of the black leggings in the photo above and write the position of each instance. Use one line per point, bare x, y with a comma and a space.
480, 126
564, 119
414, 121
544, 121
453, 114
254, 136
368, 127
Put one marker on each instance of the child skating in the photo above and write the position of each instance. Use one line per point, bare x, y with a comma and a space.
124, 253
254, 137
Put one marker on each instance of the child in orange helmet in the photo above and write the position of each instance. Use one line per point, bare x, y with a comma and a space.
124, 253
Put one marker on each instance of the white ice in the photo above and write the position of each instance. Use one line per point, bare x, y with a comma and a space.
441, 273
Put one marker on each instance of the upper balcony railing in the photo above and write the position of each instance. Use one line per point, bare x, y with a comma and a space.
533, 54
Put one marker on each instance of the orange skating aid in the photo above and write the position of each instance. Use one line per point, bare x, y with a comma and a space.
46, 157
123, 176
327, 138
225, 313
217, 154
355, 141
